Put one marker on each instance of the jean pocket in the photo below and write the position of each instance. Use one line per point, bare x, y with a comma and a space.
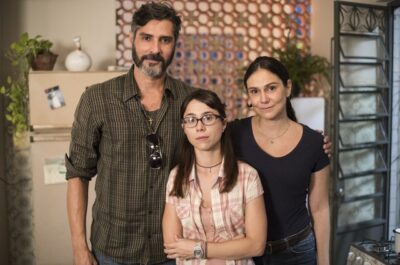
305, 245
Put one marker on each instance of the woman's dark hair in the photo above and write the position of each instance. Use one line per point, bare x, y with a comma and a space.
186, 155
276, 67
157, 11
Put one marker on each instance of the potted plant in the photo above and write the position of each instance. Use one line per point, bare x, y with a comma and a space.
303, 68
42, 58
22, 55
306, 71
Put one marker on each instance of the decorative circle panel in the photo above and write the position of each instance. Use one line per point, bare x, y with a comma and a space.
219, 38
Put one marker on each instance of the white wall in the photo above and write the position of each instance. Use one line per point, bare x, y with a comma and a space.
94, 21
321, 27
62, 20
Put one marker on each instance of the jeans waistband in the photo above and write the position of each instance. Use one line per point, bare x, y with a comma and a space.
285, 243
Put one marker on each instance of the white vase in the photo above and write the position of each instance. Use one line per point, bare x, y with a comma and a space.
78, 60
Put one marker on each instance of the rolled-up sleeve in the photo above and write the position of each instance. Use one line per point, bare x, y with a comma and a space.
85, 138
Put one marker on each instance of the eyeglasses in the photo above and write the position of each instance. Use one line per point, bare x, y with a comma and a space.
207, 120
156, 155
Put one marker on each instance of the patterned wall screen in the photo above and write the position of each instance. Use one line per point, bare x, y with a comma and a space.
218, 38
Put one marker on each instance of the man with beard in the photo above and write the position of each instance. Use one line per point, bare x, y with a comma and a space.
126, 131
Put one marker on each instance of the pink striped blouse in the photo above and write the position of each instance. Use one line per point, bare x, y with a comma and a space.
228, 209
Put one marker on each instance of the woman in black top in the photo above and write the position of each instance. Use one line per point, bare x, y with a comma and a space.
292, 166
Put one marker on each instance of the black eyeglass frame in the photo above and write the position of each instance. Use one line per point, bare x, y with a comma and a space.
155, 158
184, 122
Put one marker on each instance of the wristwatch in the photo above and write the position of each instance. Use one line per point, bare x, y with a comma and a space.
198, 251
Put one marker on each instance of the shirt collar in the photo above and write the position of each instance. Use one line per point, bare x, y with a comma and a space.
131, 88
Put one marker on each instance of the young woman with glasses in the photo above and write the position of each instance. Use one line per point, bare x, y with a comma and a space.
214, 211
292, 165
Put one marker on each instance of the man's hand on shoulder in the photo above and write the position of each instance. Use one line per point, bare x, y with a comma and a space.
327, 146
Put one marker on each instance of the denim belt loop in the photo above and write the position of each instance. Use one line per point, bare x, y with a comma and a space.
287, 245
269, 248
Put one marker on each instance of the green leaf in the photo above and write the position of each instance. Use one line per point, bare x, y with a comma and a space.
301, 66
20, 54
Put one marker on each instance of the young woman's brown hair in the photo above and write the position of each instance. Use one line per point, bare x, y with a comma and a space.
186, 156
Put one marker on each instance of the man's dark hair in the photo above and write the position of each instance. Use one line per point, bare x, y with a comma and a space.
157, 11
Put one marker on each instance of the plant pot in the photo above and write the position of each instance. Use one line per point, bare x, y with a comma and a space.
44, 61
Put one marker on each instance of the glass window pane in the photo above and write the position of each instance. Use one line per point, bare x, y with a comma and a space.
362, 46
359, 161
360, 211
361, 104
361, 186
352, 133
362, 75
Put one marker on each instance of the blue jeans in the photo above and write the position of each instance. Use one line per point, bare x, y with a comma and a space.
105, 260
303, 253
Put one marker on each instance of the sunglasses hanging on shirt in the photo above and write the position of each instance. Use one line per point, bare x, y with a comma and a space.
155, 158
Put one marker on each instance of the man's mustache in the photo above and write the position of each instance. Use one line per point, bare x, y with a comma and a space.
153, 57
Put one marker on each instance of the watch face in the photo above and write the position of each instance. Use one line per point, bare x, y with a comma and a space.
198, 252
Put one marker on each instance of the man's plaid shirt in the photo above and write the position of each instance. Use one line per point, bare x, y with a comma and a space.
109, 140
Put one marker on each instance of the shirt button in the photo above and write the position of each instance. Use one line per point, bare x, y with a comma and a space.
150, 212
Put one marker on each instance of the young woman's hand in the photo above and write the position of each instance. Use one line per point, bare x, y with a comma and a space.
181, 248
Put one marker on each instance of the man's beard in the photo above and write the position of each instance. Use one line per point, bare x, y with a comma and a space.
155, 71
